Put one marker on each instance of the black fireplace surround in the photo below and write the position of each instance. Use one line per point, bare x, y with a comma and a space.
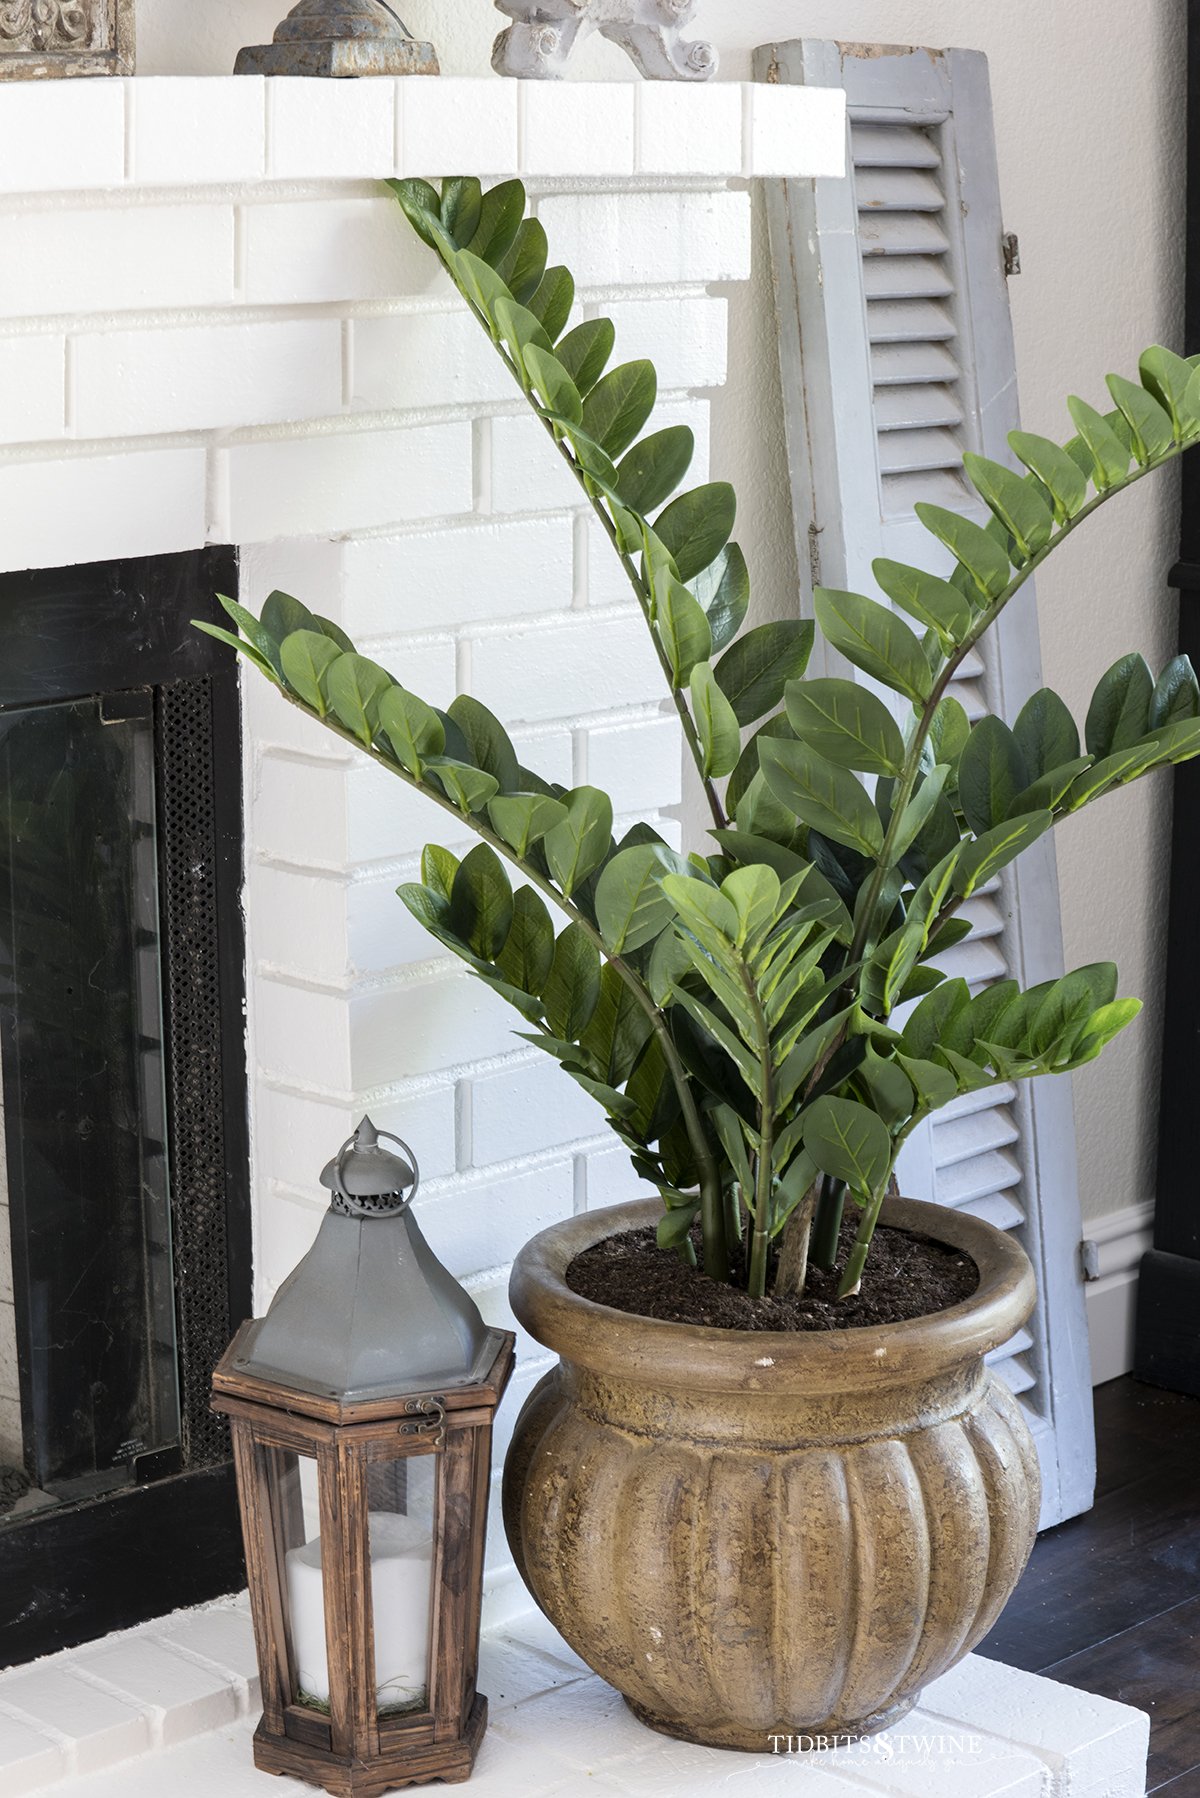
122, 998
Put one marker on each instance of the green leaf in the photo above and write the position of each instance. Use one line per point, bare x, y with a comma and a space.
422, 208
487, 741
528, 953
1168, 377
576, 847
1014, 500
461, 208
996, 848
875, 640
438, 868
553, 301
753, 674
971, 545
480, 284
354, 686
1109, 457
1046, 733
520, 329
949, 731
305, 656
669, 962
932, 602
991, 772
242, 646
918, 811
682, 630
469, 788
848, 1142
572, 987
481, 902
1110, 771
1151, 428
282, 616
716, 723
584, 352
1119, 715
847, 723
890, 1090
553, 385
631, 907
617, 1032
723, 590
1101, 1027
254, 632
674, 1225
1061, 477
827, 798
1176, 695
697, 526
755, 895
618, 406
500, 216
933, 1017
523, 819
523, 267
413, 728
1047, 794
653, 469
335, 633
933, 1084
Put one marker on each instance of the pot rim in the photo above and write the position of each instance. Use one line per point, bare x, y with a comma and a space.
712, 1358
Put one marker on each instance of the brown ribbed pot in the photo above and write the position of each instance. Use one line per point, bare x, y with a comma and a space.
757, 1533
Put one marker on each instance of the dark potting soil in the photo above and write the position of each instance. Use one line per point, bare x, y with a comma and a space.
906, 1276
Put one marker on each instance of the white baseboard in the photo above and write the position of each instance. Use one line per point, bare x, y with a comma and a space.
1113, 1248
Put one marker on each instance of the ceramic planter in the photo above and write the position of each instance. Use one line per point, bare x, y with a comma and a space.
757, 1533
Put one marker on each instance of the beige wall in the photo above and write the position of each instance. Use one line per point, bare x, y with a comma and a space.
1089, 108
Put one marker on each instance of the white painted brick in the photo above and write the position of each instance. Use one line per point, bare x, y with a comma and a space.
298, 921
302, 251
686, 339
686, 129
427, 1026
301, 1034
56, 135
649, 239
287, 1227
270, 719
100, 1728
606, 581
347, 481
794, 131
330, 130
491, 1295
640, 765
549, 753
590, 663
584, 128
382, 933
184, 1698
697, 414
28, 1760
296, 1134
308, 568
31, 388
299, 810
222, 1634
532, 1106
612, 1181
473, 1225
425, 665
93, 508
528, 473
114, 258
476, 572
478, 132
191, 128
420, 359
138, 383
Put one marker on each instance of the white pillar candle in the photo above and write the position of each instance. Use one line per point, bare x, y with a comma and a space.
401, 1568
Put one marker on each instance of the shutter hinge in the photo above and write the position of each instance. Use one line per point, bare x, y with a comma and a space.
1011, 246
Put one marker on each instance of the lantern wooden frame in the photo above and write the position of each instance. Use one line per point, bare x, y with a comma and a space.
354, 1752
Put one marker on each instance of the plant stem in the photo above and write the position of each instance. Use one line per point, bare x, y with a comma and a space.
791, 1275
760, 1238
828, 1224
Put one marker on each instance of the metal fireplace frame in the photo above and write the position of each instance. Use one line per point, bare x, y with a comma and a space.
73, 1574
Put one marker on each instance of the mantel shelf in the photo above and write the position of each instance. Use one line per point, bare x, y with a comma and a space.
189, 131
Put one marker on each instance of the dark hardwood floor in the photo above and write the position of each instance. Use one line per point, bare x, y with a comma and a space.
1110, 1601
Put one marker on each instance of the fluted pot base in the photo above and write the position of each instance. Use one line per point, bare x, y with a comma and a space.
787, 1738
764, 1534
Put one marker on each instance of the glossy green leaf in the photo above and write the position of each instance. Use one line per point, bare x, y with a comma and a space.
847, 723
1151, 427
1046, 733
697, 526
553, 385
553, 301
524, 267
438, 868
949, 731
1101, 1028
1014, 500
991, 772
354, 686
826, 797
422, 208
500, 215
617, 1032
461, 207
1176, 695
241, 644
488, 742
631, 907
723, 591
466, 787
413, 728
975, 548
572, 987
849, 1142
521, 330
523, 819
934, 1085
653, 469
528, 953
1054, 468
1119, 715
576, 847
481, 902
1108, 455
754, 672
996, 848
931, 601
716, 723
481, 285
682, 629
264, 644
282, 616
1047, 794
617, 408
919, 811
585, 351
1167, 377
933, 1017
305, 657
875, 640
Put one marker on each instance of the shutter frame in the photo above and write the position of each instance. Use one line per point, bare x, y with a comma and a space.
842, 521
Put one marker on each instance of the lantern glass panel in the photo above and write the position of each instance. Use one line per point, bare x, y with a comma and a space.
296, 1530
401, 1507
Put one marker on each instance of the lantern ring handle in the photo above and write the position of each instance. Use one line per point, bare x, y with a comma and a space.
339, 1184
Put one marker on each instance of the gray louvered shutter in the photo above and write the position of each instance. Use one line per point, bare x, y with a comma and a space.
897, 355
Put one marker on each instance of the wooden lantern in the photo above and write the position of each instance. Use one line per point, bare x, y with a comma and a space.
364, 1496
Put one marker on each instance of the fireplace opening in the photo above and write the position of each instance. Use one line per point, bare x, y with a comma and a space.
124, 1203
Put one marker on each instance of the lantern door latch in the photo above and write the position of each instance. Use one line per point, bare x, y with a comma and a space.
428, 1418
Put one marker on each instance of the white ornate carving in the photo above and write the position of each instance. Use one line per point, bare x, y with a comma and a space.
544, 33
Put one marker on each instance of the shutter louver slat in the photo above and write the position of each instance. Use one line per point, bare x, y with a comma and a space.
909, 407
989, 1180
905, 278
898, 190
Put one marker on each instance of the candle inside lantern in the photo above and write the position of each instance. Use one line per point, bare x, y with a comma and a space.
401, 1568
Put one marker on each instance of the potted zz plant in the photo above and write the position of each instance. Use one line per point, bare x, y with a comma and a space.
747, 1524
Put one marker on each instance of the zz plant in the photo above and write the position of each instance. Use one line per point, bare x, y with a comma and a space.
735, 1012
